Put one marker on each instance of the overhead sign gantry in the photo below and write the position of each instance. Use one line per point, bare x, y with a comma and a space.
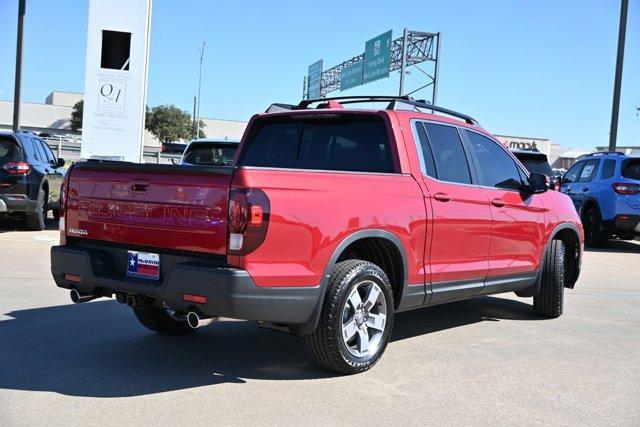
381, 56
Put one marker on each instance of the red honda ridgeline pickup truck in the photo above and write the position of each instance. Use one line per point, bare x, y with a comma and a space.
332, 221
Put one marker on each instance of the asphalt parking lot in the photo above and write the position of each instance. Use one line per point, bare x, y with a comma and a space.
484, 361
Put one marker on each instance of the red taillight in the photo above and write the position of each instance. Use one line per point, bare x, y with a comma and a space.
17, 168
62, 224
63, 197
248, 219
625, 188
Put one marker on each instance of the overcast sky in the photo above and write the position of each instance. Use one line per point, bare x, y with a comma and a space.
526, 68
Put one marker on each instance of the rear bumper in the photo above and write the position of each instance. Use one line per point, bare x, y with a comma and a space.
626, 224
17, 203
230, 292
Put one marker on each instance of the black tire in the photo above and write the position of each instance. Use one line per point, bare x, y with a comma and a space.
36, 221
594, 233
158, 320
326, 343
549, 301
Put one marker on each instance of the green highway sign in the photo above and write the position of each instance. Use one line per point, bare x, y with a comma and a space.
314, 80
377, 58
351, 76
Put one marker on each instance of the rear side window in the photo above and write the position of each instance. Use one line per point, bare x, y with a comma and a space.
347, 143
449, 157
589, 170
631, 169
608, 168
427, 163
27, 145
9, 151
496, 168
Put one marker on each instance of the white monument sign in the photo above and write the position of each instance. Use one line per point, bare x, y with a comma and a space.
115, 83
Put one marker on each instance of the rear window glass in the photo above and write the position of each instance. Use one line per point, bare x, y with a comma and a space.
9, 151
536, 164
347, 143
631, 169
209, 155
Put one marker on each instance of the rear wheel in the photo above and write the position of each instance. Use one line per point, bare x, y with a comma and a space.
356, 319
550, 300
594, 233
36, 220
162, 320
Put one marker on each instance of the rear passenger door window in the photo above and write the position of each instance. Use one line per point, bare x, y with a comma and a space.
449, 159
495, 166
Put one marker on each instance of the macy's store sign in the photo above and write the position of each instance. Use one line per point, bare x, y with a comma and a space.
520, 143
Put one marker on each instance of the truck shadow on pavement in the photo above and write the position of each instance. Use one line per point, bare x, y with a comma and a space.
98, 349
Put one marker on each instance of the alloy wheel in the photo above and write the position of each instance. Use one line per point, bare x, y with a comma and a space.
364, 319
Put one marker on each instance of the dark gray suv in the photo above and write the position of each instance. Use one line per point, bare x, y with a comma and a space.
30, 179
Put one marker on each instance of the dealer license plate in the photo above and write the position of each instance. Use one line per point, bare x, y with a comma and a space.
144, 265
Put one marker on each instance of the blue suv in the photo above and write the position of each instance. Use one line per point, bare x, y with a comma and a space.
605, 189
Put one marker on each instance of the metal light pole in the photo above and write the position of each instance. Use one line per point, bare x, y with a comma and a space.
613, 135
193, 130
18, 79
199, 86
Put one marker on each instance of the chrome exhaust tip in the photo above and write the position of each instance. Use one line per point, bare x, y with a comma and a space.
77, 297
195, 320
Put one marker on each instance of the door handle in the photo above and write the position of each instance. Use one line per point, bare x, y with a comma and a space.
442, 197
498, 203
585, 189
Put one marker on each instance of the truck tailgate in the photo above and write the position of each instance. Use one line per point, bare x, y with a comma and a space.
161, 206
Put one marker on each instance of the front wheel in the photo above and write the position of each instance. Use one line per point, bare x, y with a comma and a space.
162, 320
356, 319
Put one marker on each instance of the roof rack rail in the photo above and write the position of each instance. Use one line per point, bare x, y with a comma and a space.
421, 103
603, 153
395, 103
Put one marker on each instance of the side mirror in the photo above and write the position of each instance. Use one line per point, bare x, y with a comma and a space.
538, 183
175, 161
60, 162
